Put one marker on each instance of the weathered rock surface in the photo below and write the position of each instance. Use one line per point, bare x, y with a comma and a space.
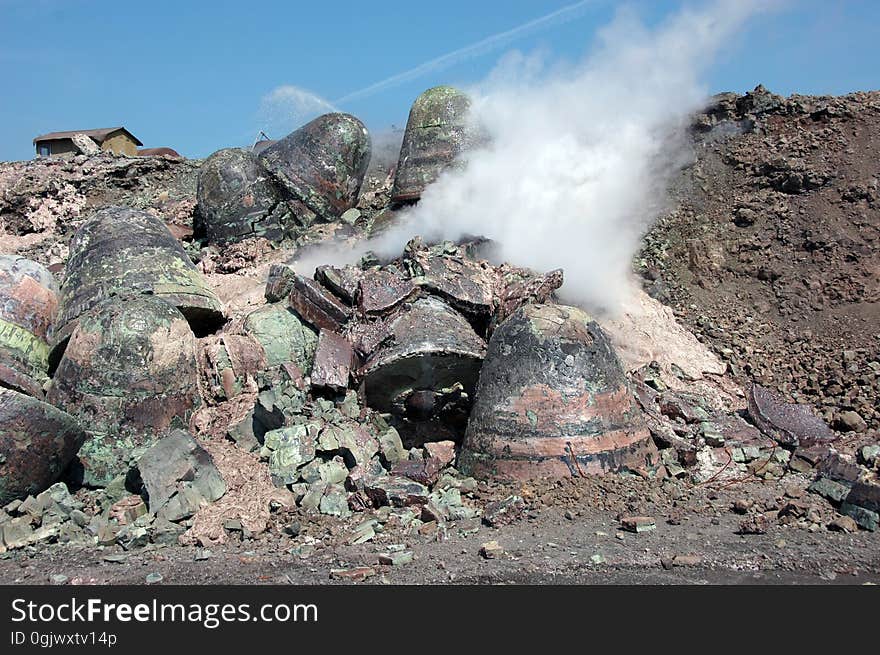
238, 199
129, 372
37, 442
790, 424
124, 252
436, 134
283, 336
553, 401
322, 164
28, 302
432, 348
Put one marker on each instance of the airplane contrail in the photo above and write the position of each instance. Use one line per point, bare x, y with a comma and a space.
562, 15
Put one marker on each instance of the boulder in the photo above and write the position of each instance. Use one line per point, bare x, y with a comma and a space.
553, 401
790, 424
238, 199
28, 302
37, 442
129, 372
431, 347
123, 252
322, 164
179, 477
436, 134
283, 336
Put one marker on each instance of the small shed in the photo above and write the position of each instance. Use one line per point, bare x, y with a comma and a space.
110, 139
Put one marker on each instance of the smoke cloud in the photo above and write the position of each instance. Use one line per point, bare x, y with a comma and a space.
579, 158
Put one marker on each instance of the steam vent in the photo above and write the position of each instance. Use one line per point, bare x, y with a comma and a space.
238, 198
28, 301
552, 401
37, 442
436, 133
322, 164
124, 252
129, 372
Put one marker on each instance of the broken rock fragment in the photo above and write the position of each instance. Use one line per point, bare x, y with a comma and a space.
179, 476
790, 424
128, 373
432, 348
333, 361
37, 442
28, 302
317, 306
553, 401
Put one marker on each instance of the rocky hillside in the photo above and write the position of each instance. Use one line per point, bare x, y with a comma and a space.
772, 252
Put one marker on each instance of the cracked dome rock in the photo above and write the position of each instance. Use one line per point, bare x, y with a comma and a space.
238, 199
552, 401
432, 347
124, 252
129, 373
436, 133
37, 442
28, 302
322, 164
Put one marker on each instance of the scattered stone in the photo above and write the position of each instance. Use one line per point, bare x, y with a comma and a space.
850, 421
442, 451
638, 524
491, 550
504, 512
153, 578
843, 524
396, 559
58, 579
395, 491
356, 574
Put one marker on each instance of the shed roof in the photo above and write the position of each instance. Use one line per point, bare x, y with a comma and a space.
99, 135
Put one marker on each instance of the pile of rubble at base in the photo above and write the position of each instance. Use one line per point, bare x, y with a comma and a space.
384, 387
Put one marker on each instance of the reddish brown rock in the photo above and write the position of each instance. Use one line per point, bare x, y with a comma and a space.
37, 442
317, 306
333, 361
28, 302
553, 401
790, 424
379, 291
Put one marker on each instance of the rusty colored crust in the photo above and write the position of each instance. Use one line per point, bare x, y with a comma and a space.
37, 441
28, 302
553, 400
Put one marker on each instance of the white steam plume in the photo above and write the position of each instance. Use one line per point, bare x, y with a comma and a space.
578, 160
287, 107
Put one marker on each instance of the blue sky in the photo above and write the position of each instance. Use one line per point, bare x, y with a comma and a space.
191, 75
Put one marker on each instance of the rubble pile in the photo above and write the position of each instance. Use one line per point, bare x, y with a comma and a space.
414, 398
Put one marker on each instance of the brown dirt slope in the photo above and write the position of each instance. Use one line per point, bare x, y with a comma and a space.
771, 251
